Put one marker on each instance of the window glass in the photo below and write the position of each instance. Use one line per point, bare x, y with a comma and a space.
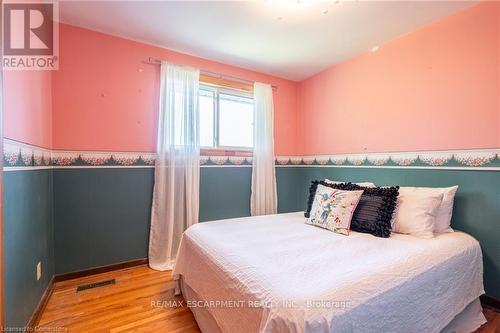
226, 118
235, 121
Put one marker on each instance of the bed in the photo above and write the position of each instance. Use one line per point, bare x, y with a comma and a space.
274, 273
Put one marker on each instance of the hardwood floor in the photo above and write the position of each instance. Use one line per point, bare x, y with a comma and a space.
493, 318
142, 300
138, 302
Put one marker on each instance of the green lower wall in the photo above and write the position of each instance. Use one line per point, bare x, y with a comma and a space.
101, 215
225, 192
28, 230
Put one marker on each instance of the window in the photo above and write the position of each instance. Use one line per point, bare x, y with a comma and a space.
226, 118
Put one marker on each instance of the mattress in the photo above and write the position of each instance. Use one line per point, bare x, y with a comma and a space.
276, 274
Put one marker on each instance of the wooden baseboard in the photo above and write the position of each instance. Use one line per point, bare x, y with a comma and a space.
492, 302
98, 270
35, 317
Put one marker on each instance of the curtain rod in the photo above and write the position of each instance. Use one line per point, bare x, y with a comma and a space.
154, 61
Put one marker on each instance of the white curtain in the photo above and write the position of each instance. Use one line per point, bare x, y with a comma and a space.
177, 171
264, 198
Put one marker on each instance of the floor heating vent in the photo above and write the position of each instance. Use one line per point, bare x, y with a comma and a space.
95, 285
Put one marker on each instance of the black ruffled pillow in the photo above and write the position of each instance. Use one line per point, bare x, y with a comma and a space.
374, 211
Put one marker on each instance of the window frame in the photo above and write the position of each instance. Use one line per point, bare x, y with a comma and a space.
217, 149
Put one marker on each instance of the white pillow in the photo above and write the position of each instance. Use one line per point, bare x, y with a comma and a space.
416, 212
364, 184
443, 218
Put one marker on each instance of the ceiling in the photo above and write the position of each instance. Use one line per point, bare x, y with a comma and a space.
290, 39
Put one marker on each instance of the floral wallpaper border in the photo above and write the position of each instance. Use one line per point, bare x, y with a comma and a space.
476, 158
19, 155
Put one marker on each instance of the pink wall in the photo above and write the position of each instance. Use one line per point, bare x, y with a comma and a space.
28, 107
435, 88
104, 96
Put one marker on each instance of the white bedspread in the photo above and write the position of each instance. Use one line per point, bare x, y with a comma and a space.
313, 280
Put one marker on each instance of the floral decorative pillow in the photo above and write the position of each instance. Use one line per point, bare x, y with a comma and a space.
332, 209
